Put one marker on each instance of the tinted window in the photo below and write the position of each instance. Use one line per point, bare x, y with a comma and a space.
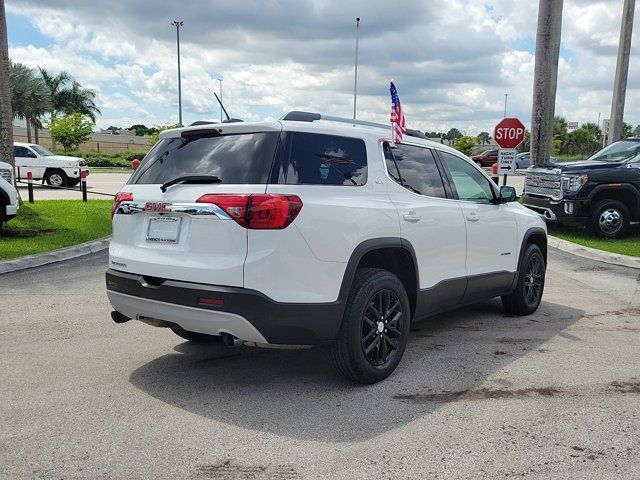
244, 158
470, 184
314, 159
418, 170
19, 151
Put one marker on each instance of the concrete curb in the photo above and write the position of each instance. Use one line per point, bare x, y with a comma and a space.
54, 256
593, 253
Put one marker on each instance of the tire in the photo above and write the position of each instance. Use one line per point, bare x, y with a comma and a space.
526, 297
2, 210
609, 219
364, 326
56, 178
195, 336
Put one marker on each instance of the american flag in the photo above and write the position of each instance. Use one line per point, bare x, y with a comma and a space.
398, 124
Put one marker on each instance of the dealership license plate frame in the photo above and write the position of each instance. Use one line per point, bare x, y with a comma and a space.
164, 230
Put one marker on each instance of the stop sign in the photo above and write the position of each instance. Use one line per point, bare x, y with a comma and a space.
509, 133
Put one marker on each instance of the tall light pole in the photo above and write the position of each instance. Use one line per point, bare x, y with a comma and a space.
622, 69
506, 95
220, 81
355, 76
178, 24
545, 79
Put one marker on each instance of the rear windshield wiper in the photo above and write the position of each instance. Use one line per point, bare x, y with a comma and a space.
190, 179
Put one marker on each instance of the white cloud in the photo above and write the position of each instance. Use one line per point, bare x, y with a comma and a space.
453, 60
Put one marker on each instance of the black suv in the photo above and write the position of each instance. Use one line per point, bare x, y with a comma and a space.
601, 193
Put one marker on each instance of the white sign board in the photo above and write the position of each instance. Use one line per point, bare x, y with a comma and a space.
572, 125
506, 161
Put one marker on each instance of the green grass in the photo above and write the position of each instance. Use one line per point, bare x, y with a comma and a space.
629, 245
52, 224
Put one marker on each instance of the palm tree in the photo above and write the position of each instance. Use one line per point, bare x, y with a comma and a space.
484, 137
6, 117
68, 100
30, 97
57, 86
80, 100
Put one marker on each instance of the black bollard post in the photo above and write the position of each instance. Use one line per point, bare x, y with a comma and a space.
30, 186
83, 182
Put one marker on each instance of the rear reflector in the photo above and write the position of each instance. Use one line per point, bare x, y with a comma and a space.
257, 211
119, 198
210, 301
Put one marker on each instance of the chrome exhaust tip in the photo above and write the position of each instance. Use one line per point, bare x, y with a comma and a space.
231, 341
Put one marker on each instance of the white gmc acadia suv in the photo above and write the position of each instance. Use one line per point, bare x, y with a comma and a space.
315, 230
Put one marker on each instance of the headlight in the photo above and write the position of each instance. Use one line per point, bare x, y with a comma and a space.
572, 183
7, 175
82, 163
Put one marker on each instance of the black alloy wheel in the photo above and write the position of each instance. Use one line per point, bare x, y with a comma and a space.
533, 280
375, 327
381, 328
527, 294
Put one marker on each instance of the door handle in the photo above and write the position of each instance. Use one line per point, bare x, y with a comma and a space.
472, 217
411, 217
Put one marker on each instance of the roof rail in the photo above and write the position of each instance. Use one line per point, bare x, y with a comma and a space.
297, 116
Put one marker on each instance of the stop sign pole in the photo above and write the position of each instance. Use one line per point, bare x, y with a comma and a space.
508, 134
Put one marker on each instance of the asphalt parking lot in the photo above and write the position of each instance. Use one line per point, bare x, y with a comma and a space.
479, 394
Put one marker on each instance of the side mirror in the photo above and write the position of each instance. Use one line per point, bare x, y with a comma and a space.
507, 194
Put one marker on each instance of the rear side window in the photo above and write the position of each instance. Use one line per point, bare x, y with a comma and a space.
315, 159
244, 158
416, 168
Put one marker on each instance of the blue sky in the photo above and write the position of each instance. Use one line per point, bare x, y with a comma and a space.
452, 60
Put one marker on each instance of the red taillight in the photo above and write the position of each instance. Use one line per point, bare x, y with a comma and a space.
257, 211
119, 198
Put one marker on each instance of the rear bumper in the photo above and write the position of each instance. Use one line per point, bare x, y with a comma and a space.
246, 314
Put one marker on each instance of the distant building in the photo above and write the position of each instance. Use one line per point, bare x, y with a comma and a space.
128, 133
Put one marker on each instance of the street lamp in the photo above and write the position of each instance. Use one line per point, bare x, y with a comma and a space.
178, 24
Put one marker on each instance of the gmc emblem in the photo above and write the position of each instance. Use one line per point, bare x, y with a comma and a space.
156, 206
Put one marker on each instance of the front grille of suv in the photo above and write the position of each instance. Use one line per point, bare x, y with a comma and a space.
544, 182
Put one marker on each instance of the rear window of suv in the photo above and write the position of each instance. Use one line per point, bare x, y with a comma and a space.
241, 159
317, 159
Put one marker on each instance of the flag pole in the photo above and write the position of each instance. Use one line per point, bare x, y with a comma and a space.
392, 129
355, 75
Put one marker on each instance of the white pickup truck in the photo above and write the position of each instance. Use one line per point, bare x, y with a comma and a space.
56, 170
9, 198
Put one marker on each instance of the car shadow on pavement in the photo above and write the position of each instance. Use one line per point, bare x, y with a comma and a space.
295, 393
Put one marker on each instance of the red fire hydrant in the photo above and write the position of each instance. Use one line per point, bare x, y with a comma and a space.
135, 164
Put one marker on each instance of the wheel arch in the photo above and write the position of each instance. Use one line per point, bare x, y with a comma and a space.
536, 236
533, 236
624, 193
390, 253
